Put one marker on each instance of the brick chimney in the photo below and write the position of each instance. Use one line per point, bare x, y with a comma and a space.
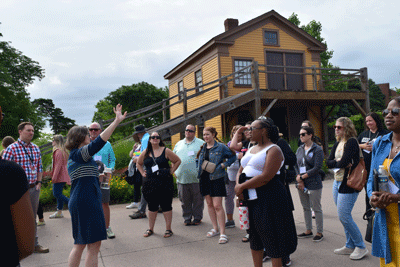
230, 24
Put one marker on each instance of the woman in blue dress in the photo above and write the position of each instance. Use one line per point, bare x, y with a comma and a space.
88, 224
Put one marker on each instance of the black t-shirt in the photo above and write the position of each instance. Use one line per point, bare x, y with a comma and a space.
368, 136
15, 183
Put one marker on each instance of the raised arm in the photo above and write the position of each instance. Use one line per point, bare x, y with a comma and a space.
119, 117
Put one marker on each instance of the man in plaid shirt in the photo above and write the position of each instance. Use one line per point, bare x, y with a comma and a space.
27, 155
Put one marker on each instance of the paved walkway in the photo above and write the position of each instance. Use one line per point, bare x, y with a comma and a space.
189, 245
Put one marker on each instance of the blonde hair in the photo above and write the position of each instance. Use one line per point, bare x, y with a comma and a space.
348, 127
60, 144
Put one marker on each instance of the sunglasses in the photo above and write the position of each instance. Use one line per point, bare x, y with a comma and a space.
155, 137
302, 134
337, 127
93, 129
254, 128
395, 112
190, 131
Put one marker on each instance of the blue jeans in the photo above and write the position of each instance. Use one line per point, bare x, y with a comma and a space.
345, 204
57, 192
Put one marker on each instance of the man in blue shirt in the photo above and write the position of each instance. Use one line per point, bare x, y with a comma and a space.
187, 177
105, 155
141, 134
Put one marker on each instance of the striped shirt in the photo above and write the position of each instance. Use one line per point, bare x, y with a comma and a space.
27, 155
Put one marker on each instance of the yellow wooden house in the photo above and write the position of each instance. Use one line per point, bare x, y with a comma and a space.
270, 40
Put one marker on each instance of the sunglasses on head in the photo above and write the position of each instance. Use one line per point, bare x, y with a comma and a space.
395, 112
337, 127
302, 134
94, 129
190, 131
254, 128
155, 137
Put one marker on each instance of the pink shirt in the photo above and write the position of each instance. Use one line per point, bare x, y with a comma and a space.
60, 172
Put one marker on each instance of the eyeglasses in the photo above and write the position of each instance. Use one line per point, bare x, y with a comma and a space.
395, 112
337, 127
190, 131
254, 128
94, 129
155, 137
302, 134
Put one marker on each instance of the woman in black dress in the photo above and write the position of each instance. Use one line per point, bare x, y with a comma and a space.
158, 184
271, 220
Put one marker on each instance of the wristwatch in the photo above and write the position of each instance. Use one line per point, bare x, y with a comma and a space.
38, 182
301, 178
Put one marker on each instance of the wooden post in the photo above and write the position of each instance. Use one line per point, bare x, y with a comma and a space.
164, 113
256, 86
224, 88
365, 88
314, 77
184, 104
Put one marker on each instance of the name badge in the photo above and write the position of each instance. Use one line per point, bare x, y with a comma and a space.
303, 170
366, 151
154, 168
252, 194
190, 153
97, 158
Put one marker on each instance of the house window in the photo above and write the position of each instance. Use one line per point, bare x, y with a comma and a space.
180, 89
280, 81
244, 80
198, 80
271, 37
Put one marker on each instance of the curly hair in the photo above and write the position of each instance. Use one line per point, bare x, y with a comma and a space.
349, 129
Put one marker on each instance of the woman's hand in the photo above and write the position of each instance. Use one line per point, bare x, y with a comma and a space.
300, 185
367, 146
144, 174
239, 189
298, 180
382, 199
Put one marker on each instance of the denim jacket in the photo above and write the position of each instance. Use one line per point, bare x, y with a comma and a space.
380, 238
218, 153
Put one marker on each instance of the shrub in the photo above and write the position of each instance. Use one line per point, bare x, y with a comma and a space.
121, 151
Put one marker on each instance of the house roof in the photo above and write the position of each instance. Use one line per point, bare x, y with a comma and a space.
227, 38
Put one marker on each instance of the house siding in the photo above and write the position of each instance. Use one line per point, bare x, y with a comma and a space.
251, 46
209, 73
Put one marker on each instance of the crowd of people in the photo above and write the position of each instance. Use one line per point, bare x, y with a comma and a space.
253, 171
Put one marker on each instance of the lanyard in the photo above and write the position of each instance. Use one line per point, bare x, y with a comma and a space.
29, 156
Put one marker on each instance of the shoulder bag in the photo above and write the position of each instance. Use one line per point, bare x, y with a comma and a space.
358, 176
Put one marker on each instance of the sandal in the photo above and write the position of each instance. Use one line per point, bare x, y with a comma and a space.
212, 233
168, 233
223, 239
245, 239
148, 233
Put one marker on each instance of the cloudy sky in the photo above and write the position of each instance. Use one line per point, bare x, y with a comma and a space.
90, 48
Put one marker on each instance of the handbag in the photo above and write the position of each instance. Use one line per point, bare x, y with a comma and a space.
358, 176
208, 166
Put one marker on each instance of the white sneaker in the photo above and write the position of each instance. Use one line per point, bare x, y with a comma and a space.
133, 205
344, 251
359, 253
56, 215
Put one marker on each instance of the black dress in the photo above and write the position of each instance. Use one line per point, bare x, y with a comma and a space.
158, 187
271, 220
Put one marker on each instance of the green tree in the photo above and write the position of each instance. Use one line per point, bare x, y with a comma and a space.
132, 97
17, 71
58, 122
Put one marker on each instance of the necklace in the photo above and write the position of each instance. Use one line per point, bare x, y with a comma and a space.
373, 137
396, 149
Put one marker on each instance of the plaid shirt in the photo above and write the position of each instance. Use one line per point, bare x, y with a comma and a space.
26, 155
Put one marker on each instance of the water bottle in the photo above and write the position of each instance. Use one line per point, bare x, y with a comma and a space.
383, 181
